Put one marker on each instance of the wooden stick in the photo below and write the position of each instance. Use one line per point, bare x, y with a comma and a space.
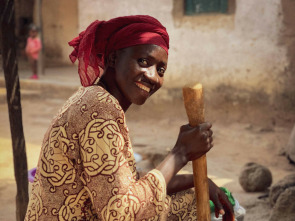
194, 105
8, 49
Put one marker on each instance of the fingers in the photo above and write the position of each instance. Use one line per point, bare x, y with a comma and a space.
204, 135
224, 207
222, 204
227, 205
228, 217
228, 209
207, 134
205, 130
196, 140
218, 209
201, 127
204, 126
210, 133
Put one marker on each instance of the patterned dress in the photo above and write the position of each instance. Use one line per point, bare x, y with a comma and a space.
86, 169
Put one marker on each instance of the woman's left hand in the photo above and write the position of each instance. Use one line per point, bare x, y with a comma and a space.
221, 202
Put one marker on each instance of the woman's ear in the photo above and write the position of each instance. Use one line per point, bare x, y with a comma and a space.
112, 59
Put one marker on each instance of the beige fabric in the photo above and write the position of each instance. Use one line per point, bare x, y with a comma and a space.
86, 169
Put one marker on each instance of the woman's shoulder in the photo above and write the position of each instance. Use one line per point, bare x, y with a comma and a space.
92, 98
99, 96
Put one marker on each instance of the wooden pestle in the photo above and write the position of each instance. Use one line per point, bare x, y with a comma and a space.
194, 105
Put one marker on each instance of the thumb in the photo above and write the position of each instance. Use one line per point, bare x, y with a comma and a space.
218, 209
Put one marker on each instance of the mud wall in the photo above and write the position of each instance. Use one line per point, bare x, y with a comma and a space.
287, 39
24, 10
60, 25
241, 52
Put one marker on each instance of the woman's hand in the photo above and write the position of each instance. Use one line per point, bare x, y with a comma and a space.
193, 142
221, 202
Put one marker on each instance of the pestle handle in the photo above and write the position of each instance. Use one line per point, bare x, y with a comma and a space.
194, 105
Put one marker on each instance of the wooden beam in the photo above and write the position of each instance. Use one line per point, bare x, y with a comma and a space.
10, 67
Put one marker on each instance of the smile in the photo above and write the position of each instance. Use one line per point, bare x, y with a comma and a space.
143, 87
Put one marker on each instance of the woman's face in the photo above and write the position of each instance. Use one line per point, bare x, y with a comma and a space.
140, 72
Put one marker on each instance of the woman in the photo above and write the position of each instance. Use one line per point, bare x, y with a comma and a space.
86, 169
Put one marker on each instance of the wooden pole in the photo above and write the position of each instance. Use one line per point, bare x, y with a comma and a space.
8, 49
194, 105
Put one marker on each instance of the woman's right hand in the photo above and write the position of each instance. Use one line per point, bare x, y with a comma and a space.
193, 142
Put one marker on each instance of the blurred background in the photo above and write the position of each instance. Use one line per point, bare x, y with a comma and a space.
242, 51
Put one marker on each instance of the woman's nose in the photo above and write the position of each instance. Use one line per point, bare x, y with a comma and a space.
152, 75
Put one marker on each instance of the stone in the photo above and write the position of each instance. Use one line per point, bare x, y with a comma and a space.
277, 189
255, 177
290, 148
284, 209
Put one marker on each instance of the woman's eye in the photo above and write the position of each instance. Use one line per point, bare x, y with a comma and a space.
143, 61
161, 71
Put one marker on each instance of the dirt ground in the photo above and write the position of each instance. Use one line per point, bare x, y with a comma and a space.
242, 134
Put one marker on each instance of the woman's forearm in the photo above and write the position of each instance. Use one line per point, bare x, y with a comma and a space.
191, 144
170, 166
180, 182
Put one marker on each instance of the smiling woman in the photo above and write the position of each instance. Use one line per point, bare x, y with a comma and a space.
133, 74
86, 169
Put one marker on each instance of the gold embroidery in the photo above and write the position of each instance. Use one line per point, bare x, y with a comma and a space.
157, 197
108, 98
55, 166
83, 109
76, 98
35, 207
96, 158
121, 207
75, 208
183, 205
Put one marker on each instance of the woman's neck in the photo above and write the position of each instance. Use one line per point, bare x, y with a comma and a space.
109, 83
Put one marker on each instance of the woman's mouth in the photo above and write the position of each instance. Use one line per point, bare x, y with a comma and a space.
143, 87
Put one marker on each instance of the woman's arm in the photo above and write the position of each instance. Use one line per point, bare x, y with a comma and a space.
222, 205
180, 182
192, 143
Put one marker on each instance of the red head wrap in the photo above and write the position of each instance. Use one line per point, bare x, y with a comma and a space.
103, 37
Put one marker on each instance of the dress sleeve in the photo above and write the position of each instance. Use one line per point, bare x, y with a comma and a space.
107, 174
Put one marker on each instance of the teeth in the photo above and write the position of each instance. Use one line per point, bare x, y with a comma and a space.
143, 87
